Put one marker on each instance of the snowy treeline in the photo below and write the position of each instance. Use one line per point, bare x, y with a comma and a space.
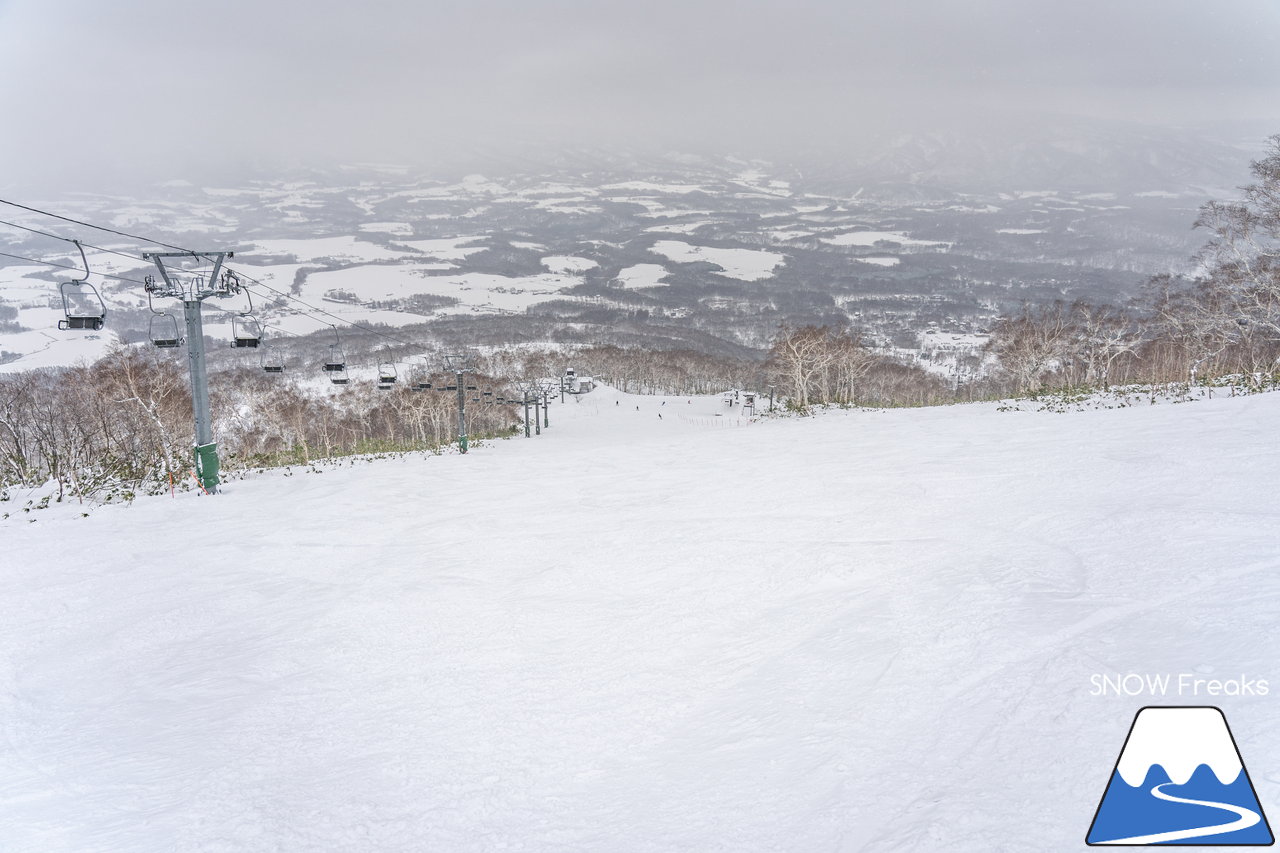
97, 430
1180, 335
815, 365
635, 371
1224, 321
632, 370
123, 426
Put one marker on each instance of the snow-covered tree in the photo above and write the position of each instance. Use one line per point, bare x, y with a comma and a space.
1236, 301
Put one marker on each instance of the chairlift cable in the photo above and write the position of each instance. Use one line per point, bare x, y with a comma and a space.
198, 255
97, 227
183, 249
70, 240
328, 314
69, 267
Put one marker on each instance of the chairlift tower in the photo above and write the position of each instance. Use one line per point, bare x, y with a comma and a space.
192, 294
460, 363
548, 389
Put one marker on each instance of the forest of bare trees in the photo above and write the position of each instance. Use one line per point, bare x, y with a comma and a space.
122, 426
1225, 321
632, 370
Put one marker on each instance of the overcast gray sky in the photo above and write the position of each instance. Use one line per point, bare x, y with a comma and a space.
101, 84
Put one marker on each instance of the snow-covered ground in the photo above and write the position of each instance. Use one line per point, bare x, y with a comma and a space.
568, 264
860, 631
446, 249
47, 347
744, 264
789, 235
643, 275
399, 229
679, 227
650, 186
337, 248
870, 238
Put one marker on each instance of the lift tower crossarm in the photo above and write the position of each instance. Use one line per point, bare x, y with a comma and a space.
176, 290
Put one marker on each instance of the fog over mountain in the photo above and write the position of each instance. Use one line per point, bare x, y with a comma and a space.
707, 170
142, 91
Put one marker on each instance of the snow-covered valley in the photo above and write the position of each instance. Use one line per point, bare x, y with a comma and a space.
639, 250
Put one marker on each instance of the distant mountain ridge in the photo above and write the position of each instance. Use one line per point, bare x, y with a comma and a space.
1055, 154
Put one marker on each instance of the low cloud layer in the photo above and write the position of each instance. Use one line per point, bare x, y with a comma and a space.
138, 85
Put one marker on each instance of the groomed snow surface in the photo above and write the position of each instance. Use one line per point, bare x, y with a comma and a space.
860, 631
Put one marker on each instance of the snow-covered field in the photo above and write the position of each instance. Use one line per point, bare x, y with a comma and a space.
744, 264
643, 275
349, 249
568, 264
399, 229
860, 631
871, 238
475, 290
47, 347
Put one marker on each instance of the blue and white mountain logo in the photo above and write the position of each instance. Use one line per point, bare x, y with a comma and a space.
1180, 781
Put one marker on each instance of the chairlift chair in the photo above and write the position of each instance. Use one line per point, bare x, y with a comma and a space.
386, 375
418, 373
81, 302
272, 361
246, 332
163, 331
337, 360
82, 305
339, 376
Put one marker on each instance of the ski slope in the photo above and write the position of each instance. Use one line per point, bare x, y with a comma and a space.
858, 631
